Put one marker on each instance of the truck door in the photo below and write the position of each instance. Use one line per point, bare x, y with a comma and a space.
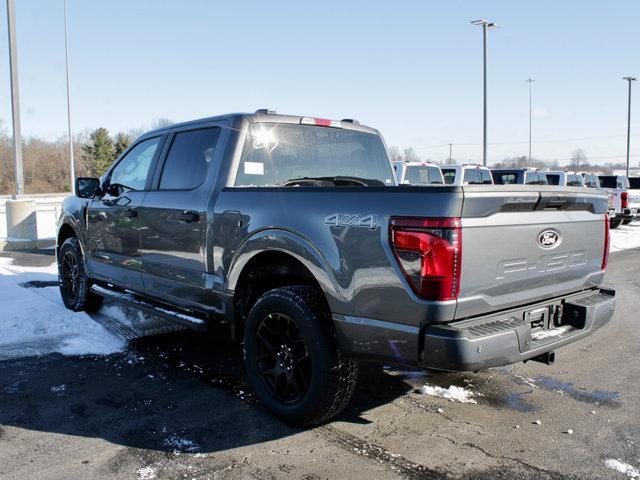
113, 220
174, 220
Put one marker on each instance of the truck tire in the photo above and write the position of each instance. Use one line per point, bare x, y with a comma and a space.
75, 286
293, 359
627, 221
615, 222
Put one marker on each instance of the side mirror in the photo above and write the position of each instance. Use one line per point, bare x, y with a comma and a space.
87, 187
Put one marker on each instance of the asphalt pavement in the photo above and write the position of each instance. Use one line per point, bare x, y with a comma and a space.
176, 405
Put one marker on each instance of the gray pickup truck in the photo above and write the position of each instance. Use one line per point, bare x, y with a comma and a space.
292, 231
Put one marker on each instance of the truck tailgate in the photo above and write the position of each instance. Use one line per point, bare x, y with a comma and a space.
523, 244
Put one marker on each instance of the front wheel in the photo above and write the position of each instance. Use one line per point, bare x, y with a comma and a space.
615, 222
75, 286
293, 359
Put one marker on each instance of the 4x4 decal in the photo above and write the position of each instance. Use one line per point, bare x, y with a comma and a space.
352, 220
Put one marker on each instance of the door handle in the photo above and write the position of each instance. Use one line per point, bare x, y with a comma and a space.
130, 213
188, 217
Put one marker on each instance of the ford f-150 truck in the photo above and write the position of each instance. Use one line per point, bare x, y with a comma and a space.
292, 231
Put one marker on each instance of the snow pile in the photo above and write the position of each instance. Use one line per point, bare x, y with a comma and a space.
552, 332
453, 393
146, 473
622, 467
34, 321
625, 236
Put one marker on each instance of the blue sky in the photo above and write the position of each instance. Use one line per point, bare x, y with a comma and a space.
411, 69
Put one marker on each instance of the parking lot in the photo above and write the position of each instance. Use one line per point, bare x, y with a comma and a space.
175, 404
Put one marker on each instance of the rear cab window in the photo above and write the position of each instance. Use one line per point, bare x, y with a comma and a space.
423, 175
284, 154
535, 178
574, 180
449, 175
505, 178
553, 178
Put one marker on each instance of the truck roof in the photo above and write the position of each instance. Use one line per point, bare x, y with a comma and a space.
267, 116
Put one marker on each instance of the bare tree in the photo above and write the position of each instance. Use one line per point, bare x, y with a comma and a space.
410, 155
578, 159
394, 154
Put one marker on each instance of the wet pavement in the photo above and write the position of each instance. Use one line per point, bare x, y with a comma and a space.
176, 404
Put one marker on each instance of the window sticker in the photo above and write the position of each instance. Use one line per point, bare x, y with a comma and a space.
253, 168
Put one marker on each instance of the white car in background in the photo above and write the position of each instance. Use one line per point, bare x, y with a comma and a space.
418, 173
633, 197
565, 179
467, 174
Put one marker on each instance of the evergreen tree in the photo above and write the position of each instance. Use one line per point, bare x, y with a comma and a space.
100, 151
122, 142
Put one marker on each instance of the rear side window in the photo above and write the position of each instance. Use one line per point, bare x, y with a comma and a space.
188, 159
280, 154
553, 179
449, 175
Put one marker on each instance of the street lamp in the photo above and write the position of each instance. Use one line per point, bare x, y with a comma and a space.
15, 98
485, 25
66, 58
530, 82
629, 80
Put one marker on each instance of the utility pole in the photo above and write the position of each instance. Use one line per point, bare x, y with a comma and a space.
450, 149
15, 98
530, 82
629, 80
66, 57
485, 25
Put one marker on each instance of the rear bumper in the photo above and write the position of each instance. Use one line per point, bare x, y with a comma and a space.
479, 343
508, 338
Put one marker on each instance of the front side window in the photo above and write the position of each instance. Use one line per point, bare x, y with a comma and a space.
279, 154
188, 159
132, 171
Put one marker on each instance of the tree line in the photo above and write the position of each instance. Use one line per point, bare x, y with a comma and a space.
47, 170
45, 163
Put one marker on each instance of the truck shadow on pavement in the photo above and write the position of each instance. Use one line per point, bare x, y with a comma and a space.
178, 392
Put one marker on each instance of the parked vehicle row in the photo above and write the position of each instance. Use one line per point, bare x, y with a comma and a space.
294, 233
623, 202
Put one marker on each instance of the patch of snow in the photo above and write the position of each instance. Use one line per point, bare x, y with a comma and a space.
181, 445
553, 332
453, 393
34, 321
59, 389
625, 236
146, 473
621, 467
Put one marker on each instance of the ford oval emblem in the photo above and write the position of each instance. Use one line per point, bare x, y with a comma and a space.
549, 239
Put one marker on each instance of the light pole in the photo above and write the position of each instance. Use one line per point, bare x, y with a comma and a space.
450, 152
15, 98
485, 25
66, 58
629, 80
530, 82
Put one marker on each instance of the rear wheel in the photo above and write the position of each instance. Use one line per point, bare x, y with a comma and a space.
627, 221
615, 222
293, 359
73, 280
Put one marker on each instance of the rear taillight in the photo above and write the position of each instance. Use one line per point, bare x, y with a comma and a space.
605, 255
624, 199
429, 252
320, 122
